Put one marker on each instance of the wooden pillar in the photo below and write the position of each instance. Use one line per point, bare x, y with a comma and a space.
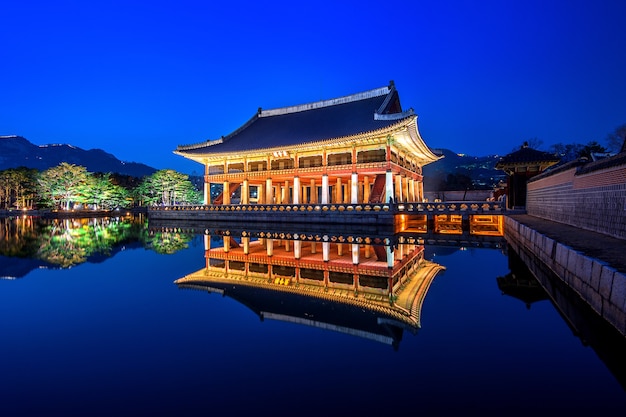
226, 193
338, 192
260, 193
269, 191
245, 192
313, 196
246, 245
398, 188
366, 189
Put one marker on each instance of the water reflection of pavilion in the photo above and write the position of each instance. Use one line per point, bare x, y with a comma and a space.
372, 287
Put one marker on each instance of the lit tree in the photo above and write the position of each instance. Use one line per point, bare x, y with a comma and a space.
18, 187
64, 184
100, 192
168, 187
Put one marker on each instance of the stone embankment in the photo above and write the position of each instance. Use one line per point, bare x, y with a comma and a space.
592, 264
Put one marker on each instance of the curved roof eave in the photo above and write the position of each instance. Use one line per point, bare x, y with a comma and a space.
384, 130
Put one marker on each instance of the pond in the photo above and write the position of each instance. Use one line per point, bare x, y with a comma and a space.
94, 323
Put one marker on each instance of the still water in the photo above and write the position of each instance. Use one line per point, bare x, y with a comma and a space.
92, 323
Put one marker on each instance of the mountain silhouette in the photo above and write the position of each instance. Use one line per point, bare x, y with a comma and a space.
17, 151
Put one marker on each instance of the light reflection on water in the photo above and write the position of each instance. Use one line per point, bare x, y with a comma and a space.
115, 336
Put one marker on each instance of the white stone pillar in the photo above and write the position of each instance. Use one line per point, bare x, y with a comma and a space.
390, 259
325, 189
297, 249
207, 242
296, 190
355, 253
326, 251
354, 188
388, 186
270, 247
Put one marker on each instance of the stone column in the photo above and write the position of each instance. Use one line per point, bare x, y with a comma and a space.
355, 254
297, 249
296, 190
326, 251
388, 186
270, 246
354, 188
325, 189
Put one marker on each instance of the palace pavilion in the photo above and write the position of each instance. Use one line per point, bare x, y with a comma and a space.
357, 149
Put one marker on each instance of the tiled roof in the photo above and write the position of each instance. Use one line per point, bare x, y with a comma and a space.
526, 155
312, 122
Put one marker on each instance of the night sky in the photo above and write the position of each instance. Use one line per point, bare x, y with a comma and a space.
139, 78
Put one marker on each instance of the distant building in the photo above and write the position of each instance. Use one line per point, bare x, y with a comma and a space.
520, 166
361, 148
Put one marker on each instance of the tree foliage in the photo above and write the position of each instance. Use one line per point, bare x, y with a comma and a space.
168, 187
18, 187
64, 185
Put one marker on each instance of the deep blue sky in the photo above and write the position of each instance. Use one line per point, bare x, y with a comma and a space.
138, 79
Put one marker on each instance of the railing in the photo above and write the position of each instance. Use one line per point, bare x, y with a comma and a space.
317, 208
465, 207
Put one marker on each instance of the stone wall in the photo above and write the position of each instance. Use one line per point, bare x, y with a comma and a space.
591, 196
602, 287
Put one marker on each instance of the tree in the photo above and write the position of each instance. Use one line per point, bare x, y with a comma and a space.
64, 185
167, 187
101, 192
616, 141
591, 148
18, 187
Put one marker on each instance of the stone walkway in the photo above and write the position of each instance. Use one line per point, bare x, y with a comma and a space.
595, 245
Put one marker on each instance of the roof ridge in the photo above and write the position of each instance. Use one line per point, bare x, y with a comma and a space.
327, 103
